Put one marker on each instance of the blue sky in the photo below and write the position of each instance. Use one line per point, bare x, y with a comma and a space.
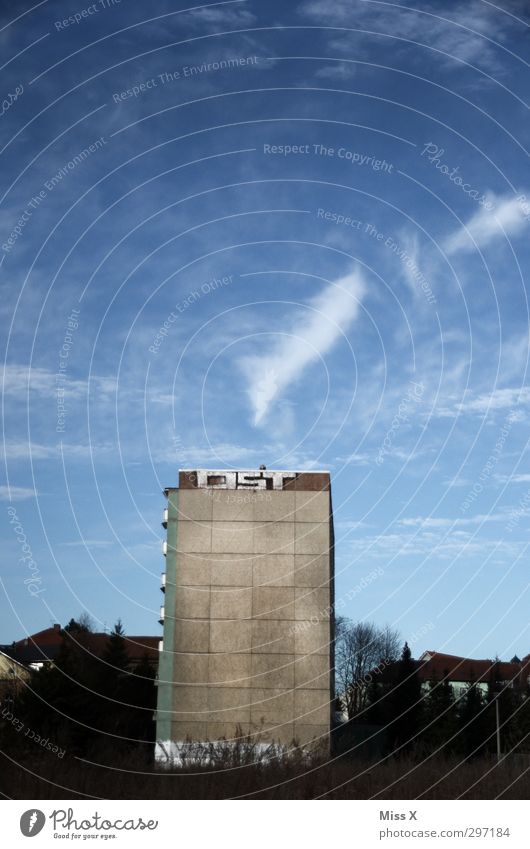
293, 234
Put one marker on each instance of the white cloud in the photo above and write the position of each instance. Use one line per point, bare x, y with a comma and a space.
89, 543
20, 449
214, 456
506, 219
463, 31
337, 71
435, 543
498, 399
328, 315
515, 400
16, 493
514, 356
18, 378
348, 525
225, 16
220, 454
434, 522
457, 482
522, 478
25, 449
357, 458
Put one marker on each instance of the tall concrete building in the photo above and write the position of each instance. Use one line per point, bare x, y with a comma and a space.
248, 609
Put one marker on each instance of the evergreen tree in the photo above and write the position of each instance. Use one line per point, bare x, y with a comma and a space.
58, 702
472, 722
405, 704
81, 699
112, 684
379, 703
140, 696
127, 695
116, 657
440, 720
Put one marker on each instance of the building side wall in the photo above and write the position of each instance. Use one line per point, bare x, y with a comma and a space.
251, 614
164, 709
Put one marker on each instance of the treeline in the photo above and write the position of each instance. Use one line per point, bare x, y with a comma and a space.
83, 704
396, 712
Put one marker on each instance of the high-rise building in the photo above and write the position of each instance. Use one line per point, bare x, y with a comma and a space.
248, 609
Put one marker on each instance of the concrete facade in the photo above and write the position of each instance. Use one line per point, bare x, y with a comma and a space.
247, 615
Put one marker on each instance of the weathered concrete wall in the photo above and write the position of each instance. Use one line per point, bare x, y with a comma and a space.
251, 630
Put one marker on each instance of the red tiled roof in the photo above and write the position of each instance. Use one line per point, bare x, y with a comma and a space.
438, 665
48, 637
465, 669
46, 644
136, 647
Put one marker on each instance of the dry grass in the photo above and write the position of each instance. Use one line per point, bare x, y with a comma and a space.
132, 777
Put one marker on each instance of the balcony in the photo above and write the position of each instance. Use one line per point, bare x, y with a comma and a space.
162, 615
163, 582
165, 518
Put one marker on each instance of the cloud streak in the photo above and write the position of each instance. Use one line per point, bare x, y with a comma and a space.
438, 522
470, 32
16, 493
328, 316
505, 220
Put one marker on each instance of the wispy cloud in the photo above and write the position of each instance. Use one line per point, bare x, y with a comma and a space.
327, 317
518, 478
20, 378
515, 399
506, 219
215, 455
498, 399
457, 482
337, 71
349, 525
224, 15
465, 31
438, 543
88, 543
16, 493
357, 458
27, 449
20, 449
442, 522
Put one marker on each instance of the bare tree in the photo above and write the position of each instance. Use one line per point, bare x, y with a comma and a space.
86, 622
360, 649
390, 644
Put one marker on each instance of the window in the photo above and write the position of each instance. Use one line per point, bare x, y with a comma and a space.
216, 480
